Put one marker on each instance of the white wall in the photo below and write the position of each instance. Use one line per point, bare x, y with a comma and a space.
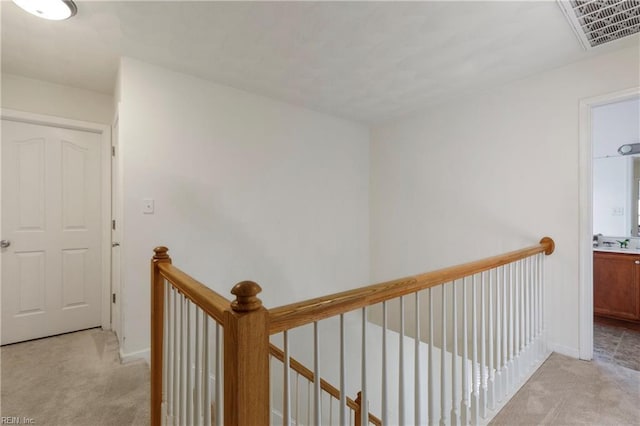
41, 97
612, 178
614, 125
244, 187
490, 173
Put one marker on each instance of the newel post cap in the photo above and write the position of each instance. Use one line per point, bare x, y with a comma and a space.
246, 300
161, 253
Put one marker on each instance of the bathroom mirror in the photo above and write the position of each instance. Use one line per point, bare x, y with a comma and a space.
616, 195
616, 177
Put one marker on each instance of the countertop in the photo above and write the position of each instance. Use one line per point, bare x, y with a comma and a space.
617, 250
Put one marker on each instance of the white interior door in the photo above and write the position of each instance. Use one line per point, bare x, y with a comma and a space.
51, 217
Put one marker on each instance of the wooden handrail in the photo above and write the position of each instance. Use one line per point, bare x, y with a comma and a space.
302, 313
324, 385
205, 298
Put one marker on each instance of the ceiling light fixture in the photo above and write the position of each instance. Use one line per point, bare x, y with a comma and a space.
629, 149
55, 10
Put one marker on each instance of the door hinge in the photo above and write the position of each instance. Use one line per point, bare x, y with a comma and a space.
113, 151
113, 224
113, 298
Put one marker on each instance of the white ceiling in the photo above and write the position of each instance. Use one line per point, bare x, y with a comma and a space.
367, 61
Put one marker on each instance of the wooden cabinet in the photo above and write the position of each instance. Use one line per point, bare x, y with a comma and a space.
616, 285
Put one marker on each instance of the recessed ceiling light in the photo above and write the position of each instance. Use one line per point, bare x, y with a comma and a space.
55, 10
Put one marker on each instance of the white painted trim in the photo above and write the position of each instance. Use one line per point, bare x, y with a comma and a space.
104, 131
116, 191
568, 13
144, 354
564, 350
585, 336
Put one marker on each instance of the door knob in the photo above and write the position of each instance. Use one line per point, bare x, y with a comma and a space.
637, 262
115, 244
5, 243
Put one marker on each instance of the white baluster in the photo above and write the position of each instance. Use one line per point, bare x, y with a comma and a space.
182, 418
176, 358
525, 318
522, 319
505, 320
206, 372
498, 355
491, 397
544, 312
165, 348
198, 374
189, 395
541, 306
286, 402
511, 345
418, 374
532, 315
430, 384
330, 411
529, 312
365, 396
465, 357
507, 329
455, 411
343, 389
516, 353
475, 373
385, 404
483, 357
219, 378
170, 348
296, 395
401, 413
444, 412
308, 402
538, 306
316, 372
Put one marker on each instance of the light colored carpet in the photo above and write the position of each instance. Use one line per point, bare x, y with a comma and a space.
74, 379
566, 391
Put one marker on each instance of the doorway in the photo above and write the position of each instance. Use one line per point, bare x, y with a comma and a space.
55, 226
587, 106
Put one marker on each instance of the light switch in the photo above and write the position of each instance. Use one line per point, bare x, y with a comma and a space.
617, 211
147, 206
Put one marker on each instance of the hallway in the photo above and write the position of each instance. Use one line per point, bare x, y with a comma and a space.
73, 379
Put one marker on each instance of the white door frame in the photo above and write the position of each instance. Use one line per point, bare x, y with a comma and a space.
586, 215
105, 140
116, 235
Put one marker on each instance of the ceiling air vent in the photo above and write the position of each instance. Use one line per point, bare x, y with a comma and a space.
596, 22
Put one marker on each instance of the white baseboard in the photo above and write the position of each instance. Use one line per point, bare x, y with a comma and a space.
564, 350
144, 354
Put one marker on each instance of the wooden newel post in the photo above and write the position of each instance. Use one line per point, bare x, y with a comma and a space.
246, 358
157, 322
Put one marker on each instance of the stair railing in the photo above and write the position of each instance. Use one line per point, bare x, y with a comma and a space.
479, 344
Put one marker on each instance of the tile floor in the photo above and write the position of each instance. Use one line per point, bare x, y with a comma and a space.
617, 345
